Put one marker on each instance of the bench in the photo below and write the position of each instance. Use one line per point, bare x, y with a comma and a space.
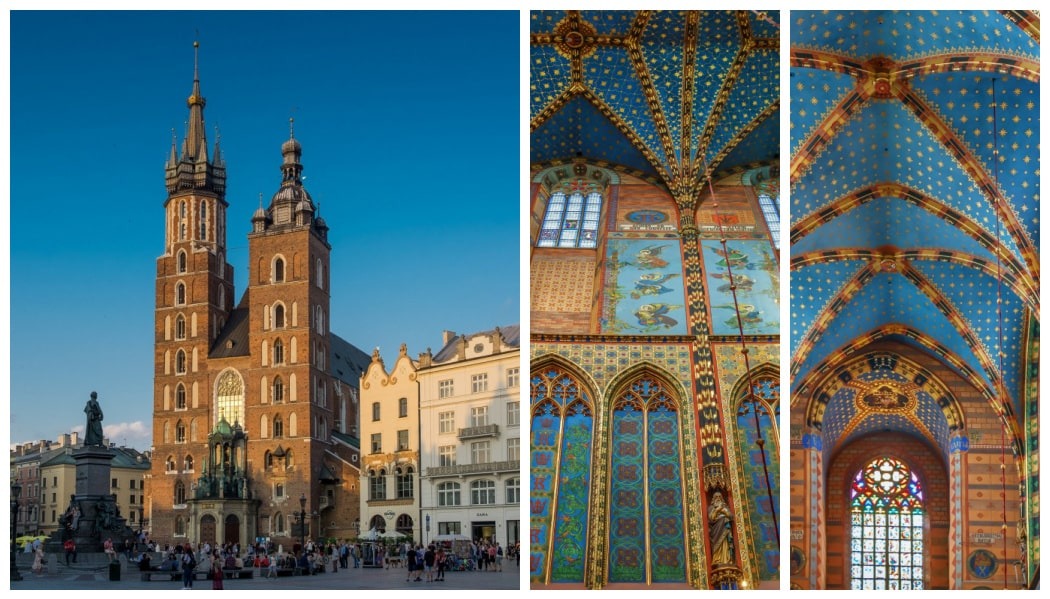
238, 572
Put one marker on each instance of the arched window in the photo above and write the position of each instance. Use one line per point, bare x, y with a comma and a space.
182, 261
289, 458
377, 523
203, 220
278, 352
180, 362
319, 273
180, 526
647, 506
180, 294
229, 402
448, 494
402, 407
278, 524
404, 482
180, 397
766, 184
278, 270
278, 390
375, 411
482, 492
180, 492
268, 460
169, 464
319, 319
771, 211
180, 327
404, 524
188, 463
571, 220
278, 316
180, 432
514, 490
887, 527
377, 484
763, 402
278, 427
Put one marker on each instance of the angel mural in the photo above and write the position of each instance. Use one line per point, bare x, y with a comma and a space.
743, 282
649, 257
655, 315
652, 284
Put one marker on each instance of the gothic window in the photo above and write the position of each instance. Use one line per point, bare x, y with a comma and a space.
188, 463
278, 524
404, 482
514, 490
448, 494
319, 274
182, 261
377, 484
278, 352
180, 294
180, 526
203, 221
180, 362
180, 327
278, 316
180, 397
180, 432
561, 439
289, 458
278, 270
180, 492
278, 390
278, 427
647, 504
753, 414
268, 460
887, 533
229, 402
169, 464
771, 212
571, 220
482, 492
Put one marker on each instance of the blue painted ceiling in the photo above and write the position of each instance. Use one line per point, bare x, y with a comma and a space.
671, 95
925, 148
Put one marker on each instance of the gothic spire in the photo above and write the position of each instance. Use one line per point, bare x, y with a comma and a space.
193, 170
196, 143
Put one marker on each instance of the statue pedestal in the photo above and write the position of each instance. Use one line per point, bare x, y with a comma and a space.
93, 468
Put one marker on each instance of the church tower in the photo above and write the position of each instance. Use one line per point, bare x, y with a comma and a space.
288, 300
194, 295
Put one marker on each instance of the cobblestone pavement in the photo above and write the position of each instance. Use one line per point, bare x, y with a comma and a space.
70, 578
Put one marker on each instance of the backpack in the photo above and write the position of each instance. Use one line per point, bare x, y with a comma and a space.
190, 560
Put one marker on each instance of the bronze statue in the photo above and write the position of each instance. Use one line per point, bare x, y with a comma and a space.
721, 521
93, 433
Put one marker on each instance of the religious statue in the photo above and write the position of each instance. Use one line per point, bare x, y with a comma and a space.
93, 433
106, 517
721, 521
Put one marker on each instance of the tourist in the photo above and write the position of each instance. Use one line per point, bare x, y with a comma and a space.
38, 558
411, 564
439, 560
71, 550
428, 563
108, 548
216, 575
189, 562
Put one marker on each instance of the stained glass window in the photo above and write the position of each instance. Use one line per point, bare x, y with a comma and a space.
771, 212
886, 527
571, 220
765, 399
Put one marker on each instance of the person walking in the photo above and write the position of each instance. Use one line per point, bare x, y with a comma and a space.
216, 575
439, 560
71, 550
428, 563
38, 559
188, 564
411, 561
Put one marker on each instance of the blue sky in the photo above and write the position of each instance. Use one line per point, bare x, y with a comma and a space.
409, 124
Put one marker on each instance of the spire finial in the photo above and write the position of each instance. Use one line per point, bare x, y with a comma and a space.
196, 47
260, 200
291, 127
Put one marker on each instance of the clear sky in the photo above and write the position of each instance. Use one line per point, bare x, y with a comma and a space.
409, 124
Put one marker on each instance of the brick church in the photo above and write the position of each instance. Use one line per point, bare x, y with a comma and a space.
255, 402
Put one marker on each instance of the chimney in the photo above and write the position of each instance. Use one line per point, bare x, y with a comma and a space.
447, 336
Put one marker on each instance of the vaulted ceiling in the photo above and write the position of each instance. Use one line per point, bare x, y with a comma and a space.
914, 189
670, 96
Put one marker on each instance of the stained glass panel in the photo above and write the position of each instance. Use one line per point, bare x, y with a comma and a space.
571, 220
887, 502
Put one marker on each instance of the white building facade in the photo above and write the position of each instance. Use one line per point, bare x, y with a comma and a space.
470, 437
390, 447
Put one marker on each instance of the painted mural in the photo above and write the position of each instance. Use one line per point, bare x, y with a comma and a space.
644, 292
755, 272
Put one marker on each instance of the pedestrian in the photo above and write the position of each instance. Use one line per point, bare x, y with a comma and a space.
411, 564
71, 550
428, 563
188, 564
439, 559
38, 559
216, 575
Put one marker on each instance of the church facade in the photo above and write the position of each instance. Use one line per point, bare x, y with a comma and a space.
255, 402
914, 300
654, 355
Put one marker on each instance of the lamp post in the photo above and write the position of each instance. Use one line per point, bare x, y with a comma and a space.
16, 490
302, 521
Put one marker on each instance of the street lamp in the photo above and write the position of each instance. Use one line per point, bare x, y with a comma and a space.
16, 490
302, 521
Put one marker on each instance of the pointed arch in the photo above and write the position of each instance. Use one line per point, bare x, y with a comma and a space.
563, 423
